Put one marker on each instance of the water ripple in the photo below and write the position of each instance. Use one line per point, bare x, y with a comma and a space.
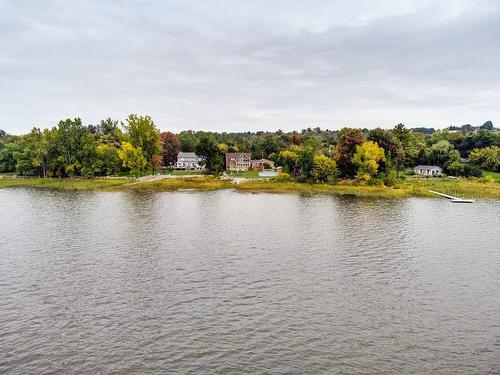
225, 283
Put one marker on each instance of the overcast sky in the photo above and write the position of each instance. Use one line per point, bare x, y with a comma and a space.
250, 65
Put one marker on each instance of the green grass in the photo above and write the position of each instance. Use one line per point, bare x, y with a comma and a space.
244, 174
184, 173
65, 183
173, 172
468, 188
295, 187
495, 175
201, 183
181, 183
420, 188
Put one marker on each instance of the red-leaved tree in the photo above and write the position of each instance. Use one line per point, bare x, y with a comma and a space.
171, 147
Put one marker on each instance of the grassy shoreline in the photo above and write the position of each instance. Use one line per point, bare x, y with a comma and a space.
409, 188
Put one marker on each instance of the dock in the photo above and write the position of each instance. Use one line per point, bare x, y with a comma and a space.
453, 199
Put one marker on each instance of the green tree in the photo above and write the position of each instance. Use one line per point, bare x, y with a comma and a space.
143, 134
7, 160
288, 159
402, 133
367, 158
110, 130
41, 150
23, 157
90, 161
394, 153
108, 159
188, 139
305, 161
68, 146
269, 145
440, 153
324, 169
487, 158
455, 168
210, 153
414, 147
34, 158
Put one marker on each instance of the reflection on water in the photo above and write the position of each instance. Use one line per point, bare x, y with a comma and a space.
223, 282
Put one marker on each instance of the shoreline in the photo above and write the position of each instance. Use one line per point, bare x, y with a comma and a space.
414, 188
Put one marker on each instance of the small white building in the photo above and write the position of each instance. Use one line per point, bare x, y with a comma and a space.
262, 163
428, 170
188, 160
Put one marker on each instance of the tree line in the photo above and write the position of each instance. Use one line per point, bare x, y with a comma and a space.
137, 146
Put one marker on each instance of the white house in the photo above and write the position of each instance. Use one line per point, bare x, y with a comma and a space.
428, 170
188, 160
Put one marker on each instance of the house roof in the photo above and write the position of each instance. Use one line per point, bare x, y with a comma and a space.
427, 167
236, 155
186, 155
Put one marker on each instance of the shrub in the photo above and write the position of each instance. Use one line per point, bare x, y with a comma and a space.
471, 170
408, 172
487, 179
391, 177
283, 177
302, 179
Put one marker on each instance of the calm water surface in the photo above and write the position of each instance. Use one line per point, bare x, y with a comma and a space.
227, 283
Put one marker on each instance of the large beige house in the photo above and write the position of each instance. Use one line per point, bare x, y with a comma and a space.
238, 160
242, 161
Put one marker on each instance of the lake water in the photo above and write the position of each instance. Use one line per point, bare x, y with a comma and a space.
225, 283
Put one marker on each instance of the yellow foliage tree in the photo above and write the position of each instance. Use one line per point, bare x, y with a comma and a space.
367, 158
324, 169
132, 158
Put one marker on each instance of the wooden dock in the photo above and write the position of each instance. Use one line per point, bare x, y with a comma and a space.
451, 198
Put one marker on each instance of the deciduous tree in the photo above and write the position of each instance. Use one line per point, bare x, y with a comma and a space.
210, 153
367, 159
487, 158
143, 134
109, 160
132, 158
324, 169
171, 145
346, 148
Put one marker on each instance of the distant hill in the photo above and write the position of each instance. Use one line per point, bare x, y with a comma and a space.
468, 128
423, 130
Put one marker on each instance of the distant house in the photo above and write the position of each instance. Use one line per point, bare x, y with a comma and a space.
260, 163
428, 170
238, 160
188, 160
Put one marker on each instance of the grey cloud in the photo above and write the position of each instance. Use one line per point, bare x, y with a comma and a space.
226, 65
